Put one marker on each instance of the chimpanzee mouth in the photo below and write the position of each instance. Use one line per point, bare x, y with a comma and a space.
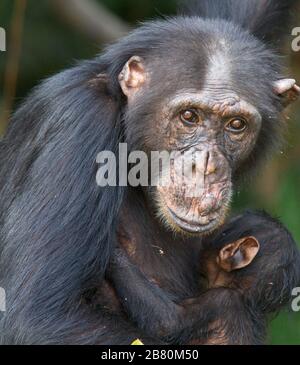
194, 215
203, 224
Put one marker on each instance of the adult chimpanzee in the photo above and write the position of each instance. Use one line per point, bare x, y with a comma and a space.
249, 271
209, 83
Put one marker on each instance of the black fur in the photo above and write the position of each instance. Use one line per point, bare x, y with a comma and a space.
278, 261
265, 19
220, 314
57, 228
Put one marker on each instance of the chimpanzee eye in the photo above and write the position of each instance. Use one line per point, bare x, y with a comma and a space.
236, 125
189, 117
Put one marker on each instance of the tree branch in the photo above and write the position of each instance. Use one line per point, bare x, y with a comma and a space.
92, 19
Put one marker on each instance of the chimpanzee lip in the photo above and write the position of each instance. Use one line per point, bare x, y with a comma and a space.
193, 227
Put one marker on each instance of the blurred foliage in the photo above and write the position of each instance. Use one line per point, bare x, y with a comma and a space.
49, 45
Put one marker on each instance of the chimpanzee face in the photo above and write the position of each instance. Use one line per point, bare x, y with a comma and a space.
210, 131
213, 133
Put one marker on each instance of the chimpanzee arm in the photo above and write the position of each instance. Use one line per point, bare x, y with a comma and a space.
219, 316
57, 325
148, 305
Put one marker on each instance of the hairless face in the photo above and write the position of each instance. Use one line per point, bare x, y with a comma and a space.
219, 132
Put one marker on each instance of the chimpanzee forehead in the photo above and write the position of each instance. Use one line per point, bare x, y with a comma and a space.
219, 68
217, 57
213, 64
212, 77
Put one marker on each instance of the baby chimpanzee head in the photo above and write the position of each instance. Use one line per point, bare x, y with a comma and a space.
255, 254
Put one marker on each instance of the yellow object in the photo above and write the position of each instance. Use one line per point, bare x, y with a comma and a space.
137, 342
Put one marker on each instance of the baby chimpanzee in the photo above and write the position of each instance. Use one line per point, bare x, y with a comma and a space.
249, 273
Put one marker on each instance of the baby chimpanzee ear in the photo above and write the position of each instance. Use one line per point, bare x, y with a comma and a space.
238, 254
288, 90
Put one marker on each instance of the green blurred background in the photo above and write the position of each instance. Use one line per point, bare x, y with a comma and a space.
45, 36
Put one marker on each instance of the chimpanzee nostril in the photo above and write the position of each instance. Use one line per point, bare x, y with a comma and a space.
206, 161
194, 168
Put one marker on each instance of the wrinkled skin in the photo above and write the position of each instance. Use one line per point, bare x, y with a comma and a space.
215, 152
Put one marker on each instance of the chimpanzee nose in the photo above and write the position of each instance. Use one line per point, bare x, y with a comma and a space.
205, 162
210, 166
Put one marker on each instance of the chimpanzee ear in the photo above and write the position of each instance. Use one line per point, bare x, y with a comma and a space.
288, 90
133, 76
238, 254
